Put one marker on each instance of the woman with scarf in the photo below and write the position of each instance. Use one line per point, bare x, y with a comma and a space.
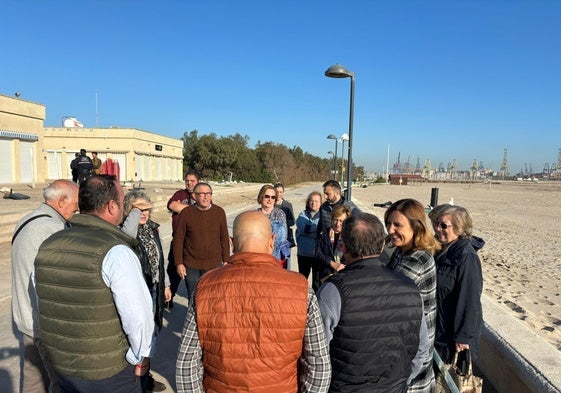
137, 207
267, 199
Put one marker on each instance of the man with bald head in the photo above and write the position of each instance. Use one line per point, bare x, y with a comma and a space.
60, 203
253, 326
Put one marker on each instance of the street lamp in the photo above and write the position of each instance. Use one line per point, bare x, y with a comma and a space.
331, 136
338, 71
334, 159
344, 138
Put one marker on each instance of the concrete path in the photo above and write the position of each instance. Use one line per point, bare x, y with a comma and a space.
163, 364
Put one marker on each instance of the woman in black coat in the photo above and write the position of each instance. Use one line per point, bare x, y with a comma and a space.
137, 207
459, 284
328, 248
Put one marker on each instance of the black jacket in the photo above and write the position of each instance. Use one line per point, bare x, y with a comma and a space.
324, 254
377, 336
458, 294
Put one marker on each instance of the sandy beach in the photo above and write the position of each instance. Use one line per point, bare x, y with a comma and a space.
521, 224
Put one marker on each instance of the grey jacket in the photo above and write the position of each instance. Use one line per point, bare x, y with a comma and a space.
24, 251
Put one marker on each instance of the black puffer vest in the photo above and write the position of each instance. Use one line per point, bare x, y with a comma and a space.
377, 336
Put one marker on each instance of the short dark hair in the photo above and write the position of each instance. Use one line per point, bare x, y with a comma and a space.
333, 184
193, 172
96, 192
94, 152
82, 151
363, 235
279, 185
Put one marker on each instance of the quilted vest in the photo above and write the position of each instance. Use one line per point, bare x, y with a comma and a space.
78, 318
251, 317
377, 336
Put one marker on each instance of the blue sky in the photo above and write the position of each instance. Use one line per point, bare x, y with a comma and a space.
438, 80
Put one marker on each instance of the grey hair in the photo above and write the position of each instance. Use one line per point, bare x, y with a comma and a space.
132, 196
460, 219
59, 188
201, 184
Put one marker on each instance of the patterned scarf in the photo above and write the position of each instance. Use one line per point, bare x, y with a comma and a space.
146, 237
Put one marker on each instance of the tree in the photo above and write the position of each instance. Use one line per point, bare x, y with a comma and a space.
214, 157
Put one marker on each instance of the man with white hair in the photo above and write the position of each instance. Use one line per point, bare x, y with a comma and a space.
61, 201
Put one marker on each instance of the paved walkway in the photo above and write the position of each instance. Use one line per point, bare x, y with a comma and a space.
163, 364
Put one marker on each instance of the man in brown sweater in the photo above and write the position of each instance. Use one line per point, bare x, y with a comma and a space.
201, 241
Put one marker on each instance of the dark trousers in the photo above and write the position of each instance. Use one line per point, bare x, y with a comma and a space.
307, 264
193, 276
174, 278
37, 375
122, 382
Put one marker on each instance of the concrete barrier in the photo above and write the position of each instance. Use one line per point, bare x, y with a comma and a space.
513, 358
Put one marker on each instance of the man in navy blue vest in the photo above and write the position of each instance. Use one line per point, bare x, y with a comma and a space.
373, 317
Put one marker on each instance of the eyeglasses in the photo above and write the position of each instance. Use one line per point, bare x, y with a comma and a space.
444, 226
204, 194
273, 197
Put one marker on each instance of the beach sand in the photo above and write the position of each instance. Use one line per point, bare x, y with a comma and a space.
521, 225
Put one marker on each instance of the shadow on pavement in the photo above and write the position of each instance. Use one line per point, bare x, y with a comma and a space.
163, 364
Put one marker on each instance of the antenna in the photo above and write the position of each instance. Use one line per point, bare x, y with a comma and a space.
96, 112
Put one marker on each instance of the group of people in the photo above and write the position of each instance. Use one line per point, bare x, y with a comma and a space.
90, 290
83, 166
442, 263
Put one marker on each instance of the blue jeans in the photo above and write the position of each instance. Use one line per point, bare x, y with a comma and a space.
191, 280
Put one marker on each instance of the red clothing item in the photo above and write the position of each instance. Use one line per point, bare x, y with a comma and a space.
201, 239
251, 317
178, 196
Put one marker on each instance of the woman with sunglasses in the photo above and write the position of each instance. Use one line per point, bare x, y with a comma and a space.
139, 225
415, 245
459, 283
267, 199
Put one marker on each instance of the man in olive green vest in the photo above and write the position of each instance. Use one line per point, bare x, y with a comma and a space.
95, 312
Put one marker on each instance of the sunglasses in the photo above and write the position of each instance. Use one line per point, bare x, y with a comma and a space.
273, 197
444, 226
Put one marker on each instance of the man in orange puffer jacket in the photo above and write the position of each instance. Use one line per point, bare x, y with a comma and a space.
253, 326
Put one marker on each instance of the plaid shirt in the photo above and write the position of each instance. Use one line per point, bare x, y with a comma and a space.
314, 368
419, 266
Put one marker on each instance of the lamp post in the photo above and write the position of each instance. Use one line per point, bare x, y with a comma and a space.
334, 158
331, 136
344, 138
338, 71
